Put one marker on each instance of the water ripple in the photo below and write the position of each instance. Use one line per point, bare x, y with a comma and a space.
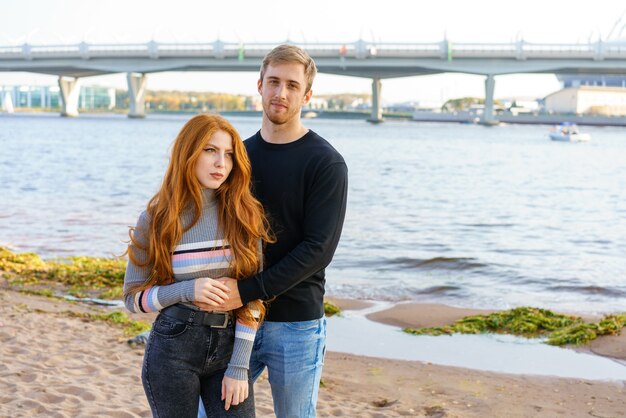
440, 263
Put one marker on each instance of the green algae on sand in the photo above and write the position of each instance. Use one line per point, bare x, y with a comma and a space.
105, 276
331, 309
532, 322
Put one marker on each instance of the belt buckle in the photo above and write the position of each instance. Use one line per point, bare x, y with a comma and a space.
225, 324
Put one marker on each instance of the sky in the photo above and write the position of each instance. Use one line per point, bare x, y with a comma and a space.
128, 21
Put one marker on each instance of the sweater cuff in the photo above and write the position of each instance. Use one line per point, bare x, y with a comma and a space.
237, 373
242, 348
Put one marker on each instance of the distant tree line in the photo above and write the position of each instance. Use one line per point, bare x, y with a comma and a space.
344, 101
162, 100
188, 101
465, 103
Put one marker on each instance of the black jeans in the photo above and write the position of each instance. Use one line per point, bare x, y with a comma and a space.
184, 361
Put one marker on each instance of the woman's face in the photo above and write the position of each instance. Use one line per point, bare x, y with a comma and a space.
216, 160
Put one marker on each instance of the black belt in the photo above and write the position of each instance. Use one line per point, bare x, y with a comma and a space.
209, 319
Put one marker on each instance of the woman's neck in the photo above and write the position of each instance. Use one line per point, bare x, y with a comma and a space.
208, 197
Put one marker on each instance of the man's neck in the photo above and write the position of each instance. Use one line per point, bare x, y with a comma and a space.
282, 134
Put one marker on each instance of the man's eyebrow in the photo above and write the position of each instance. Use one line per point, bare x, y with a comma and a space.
271, 77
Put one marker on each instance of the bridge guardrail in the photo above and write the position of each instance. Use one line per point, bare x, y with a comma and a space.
445, 50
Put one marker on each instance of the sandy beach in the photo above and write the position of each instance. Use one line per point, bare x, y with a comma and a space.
55, 364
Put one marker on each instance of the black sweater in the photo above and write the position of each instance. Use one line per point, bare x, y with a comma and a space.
303, 186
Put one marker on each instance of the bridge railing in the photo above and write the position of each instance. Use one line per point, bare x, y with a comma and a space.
445, 49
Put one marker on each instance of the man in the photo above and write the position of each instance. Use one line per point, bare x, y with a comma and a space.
302, 182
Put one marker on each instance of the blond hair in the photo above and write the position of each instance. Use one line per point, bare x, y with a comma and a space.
291, 54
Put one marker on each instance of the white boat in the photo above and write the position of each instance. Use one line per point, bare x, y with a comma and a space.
568, 133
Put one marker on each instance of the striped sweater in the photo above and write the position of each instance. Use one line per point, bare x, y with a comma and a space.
201, 252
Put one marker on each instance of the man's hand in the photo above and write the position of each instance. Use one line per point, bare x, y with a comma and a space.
210, 292
233, 391
233, 300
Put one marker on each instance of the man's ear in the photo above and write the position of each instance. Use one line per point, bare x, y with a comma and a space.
259, 84
307, 96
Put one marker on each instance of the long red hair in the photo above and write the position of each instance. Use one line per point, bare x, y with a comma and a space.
240, 215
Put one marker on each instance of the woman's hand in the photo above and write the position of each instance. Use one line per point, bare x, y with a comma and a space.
210, 292
233, 391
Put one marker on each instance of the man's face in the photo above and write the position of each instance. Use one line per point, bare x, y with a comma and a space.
283, 92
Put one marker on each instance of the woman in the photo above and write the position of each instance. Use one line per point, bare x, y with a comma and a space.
202, 223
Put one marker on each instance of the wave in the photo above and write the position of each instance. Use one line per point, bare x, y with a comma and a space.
437, 263
439, 290
590, 290
489, 225
398, 292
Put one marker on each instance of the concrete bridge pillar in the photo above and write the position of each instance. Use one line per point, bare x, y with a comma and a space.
70, 92
136, 94
377, 107
43, 98
7, 102
488, 115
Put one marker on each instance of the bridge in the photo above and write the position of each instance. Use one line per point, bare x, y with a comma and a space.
374, 60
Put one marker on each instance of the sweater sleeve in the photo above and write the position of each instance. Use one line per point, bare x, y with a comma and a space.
242, 349
325, 212
153, 298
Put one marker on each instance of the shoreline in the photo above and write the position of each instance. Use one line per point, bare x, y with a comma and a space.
461, 117
63, 365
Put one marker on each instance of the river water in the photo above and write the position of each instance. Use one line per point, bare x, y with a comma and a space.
490, 217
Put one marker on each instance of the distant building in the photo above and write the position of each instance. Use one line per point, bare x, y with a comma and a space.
39, 97
591, 100
520, 105
256, 103
577, 80
94, 97
413, 106
317, 104
48, 97
360, 104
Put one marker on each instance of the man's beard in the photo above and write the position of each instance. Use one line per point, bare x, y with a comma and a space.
278, 119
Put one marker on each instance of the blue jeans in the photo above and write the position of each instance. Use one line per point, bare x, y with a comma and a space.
293, 353
184, 361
